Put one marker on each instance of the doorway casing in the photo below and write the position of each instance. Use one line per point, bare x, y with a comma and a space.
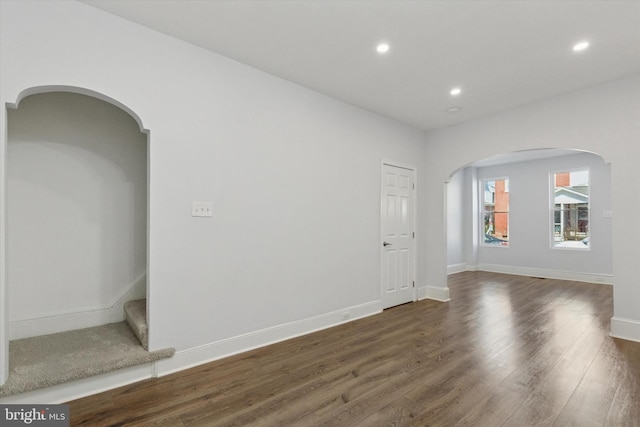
400, 248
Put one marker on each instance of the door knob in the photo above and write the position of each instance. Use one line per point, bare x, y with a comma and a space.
386, 243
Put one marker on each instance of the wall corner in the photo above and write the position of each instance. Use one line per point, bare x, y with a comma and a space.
624, 328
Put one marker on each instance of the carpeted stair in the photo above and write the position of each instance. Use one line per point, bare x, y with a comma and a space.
48, 360
135, 313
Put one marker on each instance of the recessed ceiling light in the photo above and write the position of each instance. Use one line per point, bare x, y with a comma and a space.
578, 47
453, 109
383, 48
455, 91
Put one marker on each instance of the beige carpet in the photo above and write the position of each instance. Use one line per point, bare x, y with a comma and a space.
48, 360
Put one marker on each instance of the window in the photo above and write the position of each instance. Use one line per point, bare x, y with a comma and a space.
495, 211
570, 222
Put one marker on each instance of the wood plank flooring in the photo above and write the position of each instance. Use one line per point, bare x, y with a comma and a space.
506, 351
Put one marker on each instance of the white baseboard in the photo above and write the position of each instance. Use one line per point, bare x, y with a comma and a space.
606, 279
78, 319
188, 358
437, 294
193, 357
627, 329
456, 268
85, 387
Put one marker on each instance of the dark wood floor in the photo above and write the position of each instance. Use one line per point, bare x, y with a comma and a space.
506, 351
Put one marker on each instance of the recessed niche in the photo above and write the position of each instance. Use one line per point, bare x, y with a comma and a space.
76, 213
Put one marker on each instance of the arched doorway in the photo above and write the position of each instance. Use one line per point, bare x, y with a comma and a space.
76, 241
531, 248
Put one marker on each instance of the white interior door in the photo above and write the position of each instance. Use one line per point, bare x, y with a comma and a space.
398, 237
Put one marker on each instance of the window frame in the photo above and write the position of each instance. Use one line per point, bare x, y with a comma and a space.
482, 211
553, 210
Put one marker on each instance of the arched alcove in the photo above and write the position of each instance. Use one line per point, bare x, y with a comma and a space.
530, 252
77, 210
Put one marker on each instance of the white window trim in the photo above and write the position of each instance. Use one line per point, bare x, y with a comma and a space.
481, 211
552, 210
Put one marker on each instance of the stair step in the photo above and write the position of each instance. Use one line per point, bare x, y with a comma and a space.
136, 316
48, 360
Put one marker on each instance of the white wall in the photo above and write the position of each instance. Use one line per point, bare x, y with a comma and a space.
76, 211
471, 226
457, 211
603, 120
294, 177
529, 250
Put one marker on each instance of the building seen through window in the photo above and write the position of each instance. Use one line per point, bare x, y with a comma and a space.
570, 225
495, 211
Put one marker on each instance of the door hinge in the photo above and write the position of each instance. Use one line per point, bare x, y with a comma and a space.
414, 283
414, 234
413, 185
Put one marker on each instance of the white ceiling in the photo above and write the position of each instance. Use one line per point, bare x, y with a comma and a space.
501, 53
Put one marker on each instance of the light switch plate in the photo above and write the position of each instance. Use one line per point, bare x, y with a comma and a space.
202, 209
